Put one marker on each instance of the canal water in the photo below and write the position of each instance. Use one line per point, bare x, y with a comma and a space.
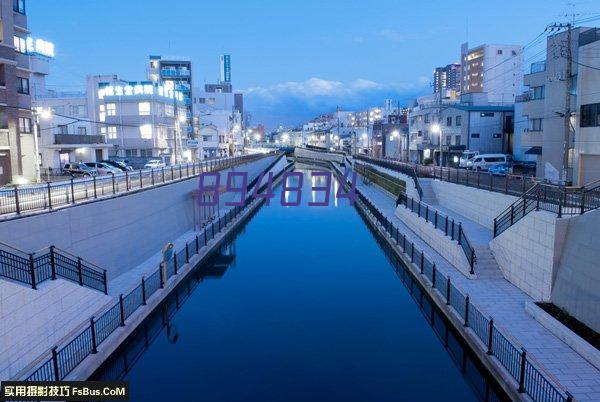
302, 304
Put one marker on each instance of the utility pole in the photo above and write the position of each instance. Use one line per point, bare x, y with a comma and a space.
440, 115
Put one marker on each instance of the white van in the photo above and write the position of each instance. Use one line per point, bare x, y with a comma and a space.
466, 157
486, 161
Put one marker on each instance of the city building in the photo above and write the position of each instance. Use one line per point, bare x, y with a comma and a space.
496, 70
175, 74
141, 120
564, 152
447, 78
18, 156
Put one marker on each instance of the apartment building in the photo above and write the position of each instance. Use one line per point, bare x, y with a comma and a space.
496, 70
18, 156
564, 153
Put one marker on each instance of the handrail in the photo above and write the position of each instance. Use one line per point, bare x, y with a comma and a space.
520, 365
442, 223
406, 169
49, 195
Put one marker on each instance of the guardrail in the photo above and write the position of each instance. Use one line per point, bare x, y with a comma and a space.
65, 358
50, 195
51, 263
402, 168
556, 199
522, 367
391, 184
443, 223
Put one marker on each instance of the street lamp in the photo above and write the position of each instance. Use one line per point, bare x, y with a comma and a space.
45, 114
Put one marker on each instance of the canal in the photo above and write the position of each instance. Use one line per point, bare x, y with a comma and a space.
303, 303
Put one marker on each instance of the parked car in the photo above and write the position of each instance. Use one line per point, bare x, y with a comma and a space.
486, 161
501, 170
466, 157
118, 164
103, 168
154, 163
79, 169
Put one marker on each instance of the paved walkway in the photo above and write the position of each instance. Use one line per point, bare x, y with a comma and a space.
506, 304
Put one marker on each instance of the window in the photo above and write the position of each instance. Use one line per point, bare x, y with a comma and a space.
590, 115
131, 153
20, 44
458, 120
419, 133
535, 125
475, 135
487, 114
111, 109
146, 153
24, 125
19, 6
23, 85
63, 129
537, 93
449, 121
146, 131
448, 140
169, 110
457, 140
144, 108
111, 132
513, 52
427, 118
78, 110
102, 113
497, 135
499, 51
81, 130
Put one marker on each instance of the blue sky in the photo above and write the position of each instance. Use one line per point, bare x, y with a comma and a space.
294, 59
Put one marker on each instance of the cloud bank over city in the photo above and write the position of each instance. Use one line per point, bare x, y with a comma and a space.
301, 100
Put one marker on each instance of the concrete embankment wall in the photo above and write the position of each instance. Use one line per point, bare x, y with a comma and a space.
577, 279
116, 233
411, 189
481, 206
528, 252
323, 156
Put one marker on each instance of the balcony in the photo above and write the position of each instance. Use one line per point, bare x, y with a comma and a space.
532, 139
537, 67
72, 139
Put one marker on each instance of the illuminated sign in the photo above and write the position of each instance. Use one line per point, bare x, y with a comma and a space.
40, 46
136, 90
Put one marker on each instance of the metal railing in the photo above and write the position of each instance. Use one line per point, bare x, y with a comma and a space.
393, 185
406, 169
50, 195
443, 223
556, 199
64, 359
50, 263
521, 366
507, 184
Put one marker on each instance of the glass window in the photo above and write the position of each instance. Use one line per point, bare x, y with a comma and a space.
457, 140
144, 108
590, 115
131, 153
535, 125
20, 44
111, 132
146, 153
537, 92
102, 113
146, 131
63, 129
458, 120
81, 131
487, 114
169, 110
475, 135
24, 125
449, 121
19, 6
111, 109
23, 85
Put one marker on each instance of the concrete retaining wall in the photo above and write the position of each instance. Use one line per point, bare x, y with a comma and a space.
411, 189
323, 156
481, 206
446, 247
116, 233
577, 279
528, 252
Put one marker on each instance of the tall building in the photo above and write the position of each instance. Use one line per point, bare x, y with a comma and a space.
565, 152
175, 73
18, 156
447, 78
495, 70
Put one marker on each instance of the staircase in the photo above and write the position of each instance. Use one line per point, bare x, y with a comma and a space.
427, 194
486, 265
49, 263
560, 200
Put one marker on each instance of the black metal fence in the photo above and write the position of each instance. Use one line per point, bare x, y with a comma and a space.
443, 223
20, 199
50, 263
521, 366
393, 185
64, 359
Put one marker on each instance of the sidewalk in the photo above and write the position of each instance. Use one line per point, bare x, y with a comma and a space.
506, 304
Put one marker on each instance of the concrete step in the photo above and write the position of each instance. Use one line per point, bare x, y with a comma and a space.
428, 196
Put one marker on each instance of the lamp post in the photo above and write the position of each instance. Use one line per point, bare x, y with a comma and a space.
437, 128
45, 114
